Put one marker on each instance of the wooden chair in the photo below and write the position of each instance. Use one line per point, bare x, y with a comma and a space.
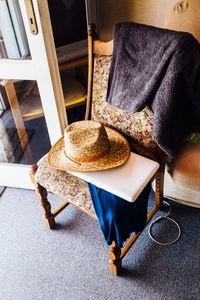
62, 184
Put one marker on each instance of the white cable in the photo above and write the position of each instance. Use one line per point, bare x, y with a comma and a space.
170, 219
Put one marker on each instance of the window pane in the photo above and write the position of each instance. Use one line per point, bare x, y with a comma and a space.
24, 137
13, 40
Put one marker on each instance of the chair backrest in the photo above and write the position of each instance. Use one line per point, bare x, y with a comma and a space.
138, 127
97, 47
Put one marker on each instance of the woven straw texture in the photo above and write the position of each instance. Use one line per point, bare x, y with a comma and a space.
118, 154
86, 141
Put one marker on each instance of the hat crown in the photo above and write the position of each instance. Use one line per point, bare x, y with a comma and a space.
86, 141
117, 149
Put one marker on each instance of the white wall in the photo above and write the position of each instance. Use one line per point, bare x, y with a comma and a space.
150, 12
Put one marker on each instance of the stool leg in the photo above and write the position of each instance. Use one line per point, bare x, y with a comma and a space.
159, 186
115, 263
45, 206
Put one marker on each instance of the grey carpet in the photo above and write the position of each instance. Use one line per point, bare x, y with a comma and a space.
71, 262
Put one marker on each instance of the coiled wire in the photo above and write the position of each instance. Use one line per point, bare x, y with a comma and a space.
170, 219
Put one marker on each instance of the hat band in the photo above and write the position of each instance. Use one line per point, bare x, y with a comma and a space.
88, 159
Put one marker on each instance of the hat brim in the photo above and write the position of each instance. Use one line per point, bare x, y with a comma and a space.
118, 154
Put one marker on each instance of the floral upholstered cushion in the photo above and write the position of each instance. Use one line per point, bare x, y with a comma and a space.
137, 127
64, 185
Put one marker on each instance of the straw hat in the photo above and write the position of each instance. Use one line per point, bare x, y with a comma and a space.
89, 146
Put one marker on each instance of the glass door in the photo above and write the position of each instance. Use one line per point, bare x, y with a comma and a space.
32, 107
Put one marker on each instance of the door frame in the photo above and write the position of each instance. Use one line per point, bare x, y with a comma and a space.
42, 67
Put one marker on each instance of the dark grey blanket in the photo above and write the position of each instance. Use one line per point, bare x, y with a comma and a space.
159, 68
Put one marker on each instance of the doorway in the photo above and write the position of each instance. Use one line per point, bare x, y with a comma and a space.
32, 107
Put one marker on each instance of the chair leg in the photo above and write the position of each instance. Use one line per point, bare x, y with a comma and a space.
159, 183
115, 263
45, 206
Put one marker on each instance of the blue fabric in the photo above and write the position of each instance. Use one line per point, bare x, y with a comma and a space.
117, 217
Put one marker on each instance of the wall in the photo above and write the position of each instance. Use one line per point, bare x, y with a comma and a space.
150, 12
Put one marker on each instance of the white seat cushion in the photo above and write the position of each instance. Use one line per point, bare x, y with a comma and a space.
126, 181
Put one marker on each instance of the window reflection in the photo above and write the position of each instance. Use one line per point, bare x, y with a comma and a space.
24, 137
13, 38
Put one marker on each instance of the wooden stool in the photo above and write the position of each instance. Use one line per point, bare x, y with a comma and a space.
126, 181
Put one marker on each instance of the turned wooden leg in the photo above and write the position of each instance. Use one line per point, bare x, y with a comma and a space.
45, 206
159, 183
115, 263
